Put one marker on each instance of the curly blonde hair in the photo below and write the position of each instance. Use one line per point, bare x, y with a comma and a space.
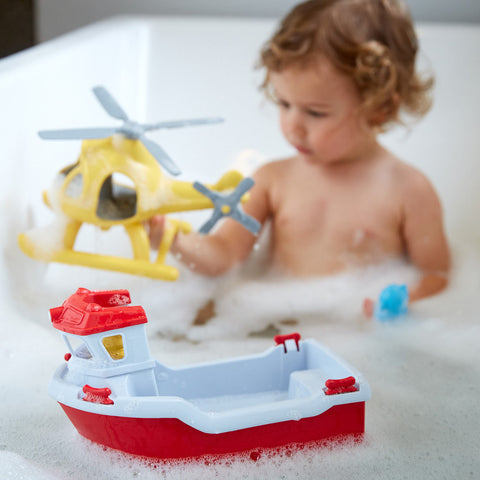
372, 41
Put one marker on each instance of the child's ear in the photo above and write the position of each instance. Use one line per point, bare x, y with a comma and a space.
386, 112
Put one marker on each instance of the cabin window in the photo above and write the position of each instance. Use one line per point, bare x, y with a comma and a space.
114, 346
75, 186
118, 198
65, 171
78, 348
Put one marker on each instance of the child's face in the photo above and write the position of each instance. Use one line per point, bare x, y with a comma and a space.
320, 113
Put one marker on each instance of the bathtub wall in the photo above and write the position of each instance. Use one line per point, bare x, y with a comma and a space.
55, 17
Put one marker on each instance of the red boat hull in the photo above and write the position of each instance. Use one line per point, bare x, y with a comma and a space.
170, 438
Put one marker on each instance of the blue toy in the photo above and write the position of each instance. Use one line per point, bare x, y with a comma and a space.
392, 302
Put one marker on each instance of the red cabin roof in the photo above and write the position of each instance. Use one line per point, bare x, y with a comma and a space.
87, 312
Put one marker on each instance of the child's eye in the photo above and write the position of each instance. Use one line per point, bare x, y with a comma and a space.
283, 104
316, 113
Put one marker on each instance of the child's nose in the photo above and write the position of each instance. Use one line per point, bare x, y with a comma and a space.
297, 125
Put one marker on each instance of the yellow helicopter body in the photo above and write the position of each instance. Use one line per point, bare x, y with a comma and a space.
89, 192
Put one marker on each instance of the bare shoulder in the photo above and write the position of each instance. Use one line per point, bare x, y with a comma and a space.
270, 173
274, 167
413, 185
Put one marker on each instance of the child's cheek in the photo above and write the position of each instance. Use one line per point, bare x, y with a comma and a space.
283, 126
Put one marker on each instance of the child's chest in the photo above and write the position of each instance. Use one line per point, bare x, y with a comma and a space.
344, 213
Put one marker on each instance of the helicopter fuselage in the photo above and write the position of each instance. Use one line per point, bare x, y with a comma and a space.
116, 181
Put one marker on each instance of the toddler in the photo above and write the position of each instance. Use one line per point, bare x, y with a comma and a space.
341, 72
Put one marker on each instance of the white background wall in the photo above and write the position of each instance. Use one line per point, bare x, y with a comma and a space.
55, 17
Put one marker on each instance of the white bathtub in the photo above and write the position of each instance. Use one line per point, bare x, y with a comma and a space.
424, 372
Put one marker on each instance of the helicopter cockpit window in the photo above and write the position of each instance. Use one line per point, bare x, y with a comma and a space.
118, 198
75, 186
65, 171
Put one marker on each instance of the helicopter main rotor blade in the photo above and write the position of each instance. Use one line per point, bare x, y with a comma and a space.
161, 156
183, 123
77, 133
109, 103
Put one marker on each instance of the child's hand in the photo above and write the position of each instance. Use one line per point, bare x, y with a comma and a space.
156, 228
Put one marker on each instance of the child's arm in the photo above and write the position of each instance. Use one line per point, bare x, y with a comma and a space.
230, 244
424, 238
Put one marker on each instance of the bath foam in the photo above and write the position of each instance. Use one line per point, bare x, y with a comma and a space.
421, 373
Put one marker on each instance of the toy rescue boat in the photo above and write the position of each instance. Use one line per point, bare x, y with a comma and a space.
117, 395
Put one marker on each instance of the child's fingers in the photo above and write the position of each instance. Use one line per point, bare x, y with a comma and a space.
368, 307
156, 227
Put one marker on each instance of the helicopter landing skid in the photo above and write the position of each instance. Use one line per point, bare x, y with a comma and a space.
156, 270
132, 266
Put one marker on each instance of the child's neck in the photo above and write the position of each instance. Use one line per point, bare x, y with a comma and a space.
362, 158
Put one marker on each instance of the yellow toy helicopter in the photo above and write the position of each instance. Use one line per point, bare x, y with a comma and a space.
87, 192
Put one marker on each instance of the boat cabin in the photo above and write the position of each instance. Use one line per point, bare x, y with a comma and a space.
106, 339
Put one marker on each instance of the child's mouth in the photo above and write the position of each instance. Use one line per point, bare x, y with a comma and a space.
303, 150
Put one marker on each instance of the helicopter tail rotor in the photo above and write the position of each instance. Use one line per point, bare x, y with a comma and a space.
228, 205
